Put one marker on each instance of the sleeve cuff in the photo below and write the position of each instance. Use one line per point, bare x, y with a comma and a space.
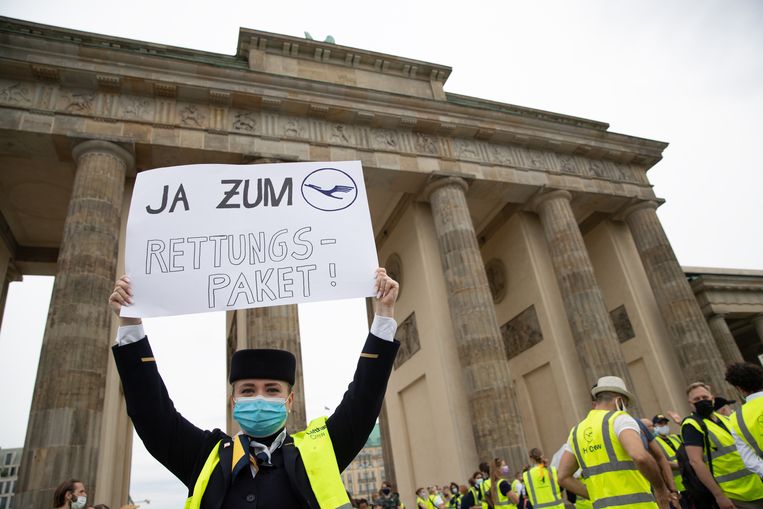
127, 334
383, 327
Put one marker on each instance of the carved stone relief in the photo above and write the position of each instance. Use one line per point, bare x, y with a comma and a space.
408, 335
294, 128
77, 101
138, 108
622, 324
425, 144
384, 139
342, 134
466, 149
521, 332
244, 121
15, 93
192, 115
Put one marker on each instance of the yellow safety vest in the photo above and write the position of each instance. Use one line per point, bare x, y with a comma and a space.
317, 452
503, 500
611, 476
747, 423
543, 488
732, 476
484, 489
669, 445
583, 503
427, 503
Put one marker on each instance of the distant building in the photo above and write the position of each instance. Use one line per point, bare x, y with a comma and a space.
363, 477
10, 459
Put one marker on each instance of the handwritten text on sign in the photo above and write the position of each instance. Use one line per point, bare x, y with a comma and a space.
213, 237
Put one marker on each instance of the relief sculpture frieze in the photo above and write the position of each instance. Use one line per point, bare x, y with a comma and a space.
170, 112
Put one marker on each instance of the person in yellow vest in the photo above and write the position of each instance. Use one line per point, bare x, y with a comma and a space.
669, 445
747, 421
264, 466
731, 484
422, 499
434, 498
455, 496
619, 471
542, 484
470, 498
483, 484
499, 494
518, 488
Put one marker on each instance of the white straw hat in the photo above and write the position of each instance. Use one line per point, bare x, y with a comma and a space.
611, 384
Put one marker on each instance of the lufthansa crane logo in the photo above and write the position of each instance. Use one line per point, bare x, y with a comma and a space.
329, 189
588, 434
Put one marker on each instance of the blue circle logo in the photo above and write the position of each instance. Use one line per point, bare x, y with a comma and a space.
329, 189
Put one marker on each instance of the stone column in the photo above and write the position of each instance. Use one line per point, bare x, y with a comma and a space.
64, 427
758, 324
595, 337
724, 339
698, 355
495, 417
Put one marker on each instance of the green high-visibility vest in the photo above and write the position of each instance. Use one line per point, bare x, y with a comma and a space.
611, 476
747, 423
317, 453
542, 487
669, 445
736, 482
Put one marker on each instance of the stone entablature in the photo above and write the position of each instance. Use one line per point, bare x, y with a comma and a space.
55, 109
726, 292
92, 62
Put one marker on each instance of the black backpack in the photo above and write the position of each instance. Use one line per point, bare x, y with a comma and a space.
697, 491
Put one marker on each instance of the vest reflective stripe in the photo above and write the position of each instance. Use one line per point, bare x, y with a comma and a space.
427, 503
317, 453
610, 474
665, 443
194, 501
736, 482
549, 494
747, 423
621, 500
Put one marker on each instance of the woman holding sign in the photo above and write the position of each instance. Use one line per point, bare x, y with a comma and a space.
265, 466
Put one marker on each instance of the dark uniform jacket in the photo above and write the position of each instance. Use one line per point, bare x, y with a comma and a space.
183, 448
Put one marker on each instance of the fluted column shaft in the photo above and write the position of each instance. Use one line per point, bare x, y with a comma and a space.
489, 387
692, 340
592, 330
64, 427
724, 339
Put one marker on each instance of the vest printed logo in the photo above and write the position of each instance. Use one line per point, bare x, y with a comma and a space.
588, 434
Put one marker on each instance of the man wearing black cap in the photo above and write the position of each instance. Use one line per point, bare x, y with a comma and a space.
264, 466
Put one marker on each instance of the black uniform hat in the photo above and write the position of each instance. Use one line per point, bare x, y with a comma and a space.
263, 363
720, 402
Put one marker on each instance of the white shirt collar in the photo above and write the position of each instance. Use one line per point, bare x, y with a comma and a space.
754, 395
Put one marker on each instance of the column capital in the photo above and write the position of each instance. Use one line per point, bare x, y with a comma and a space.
104, 147
438, 182
625, 213
552, 194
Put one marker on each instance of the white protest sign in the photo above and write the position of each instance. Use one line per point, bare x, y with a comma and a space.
215, 237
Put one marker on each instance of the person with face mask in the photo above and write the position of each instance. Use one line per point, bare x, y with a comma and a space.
265, 465
70, 494
731, 484
422, 499
388, 499
542, 483
606, 445
669, 445
499, 494
455, 496
470, 499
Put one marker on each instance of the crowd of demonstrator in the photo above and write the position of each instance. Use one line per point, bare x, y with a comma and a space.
72, 494
614, 460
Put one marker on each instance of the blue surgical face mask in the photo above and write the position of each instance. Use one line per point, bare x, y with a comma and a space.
260, 416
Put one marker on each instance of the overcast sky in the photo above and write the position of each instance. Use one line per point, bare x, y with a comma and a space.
686, 72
